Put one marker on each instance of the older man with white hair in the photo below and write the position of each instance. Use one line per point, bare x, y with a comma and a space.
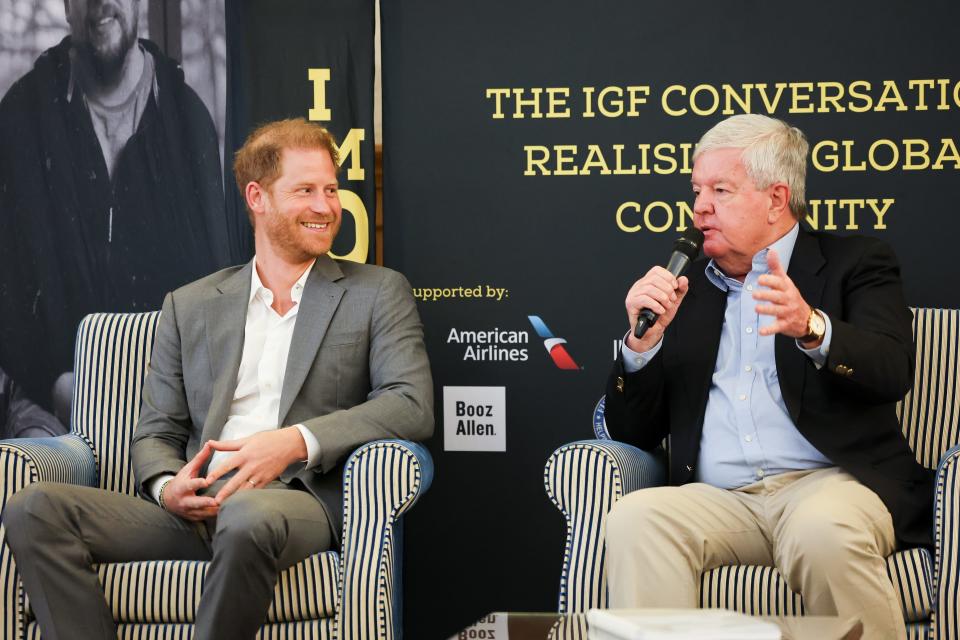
775, 369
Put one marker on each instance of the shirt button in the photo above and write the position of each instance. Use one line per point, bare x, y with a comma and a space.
748, 438
743, 396
749, 287
759, 473
748, 368
749, 329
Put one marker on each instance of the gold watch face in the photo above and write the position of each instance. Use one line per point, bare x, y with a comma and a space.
817, 326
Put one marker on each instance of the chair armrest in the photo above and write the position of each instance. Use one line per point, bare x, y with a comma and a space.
68, 458
381, 481
583, 480
571, 627
946, 539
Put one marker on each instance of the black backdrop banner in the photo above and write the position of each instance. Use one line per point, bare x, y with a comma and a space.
313, 60
537, 161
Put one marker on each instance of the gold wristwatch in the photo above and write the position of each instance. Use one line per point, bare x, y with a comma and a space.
816, 327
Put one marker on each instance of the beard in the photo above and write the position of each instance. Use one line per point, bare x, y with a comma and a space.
286, 235
106, 51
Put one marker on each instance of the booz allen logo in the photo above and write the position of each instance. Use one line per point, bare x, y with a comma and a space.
554, 346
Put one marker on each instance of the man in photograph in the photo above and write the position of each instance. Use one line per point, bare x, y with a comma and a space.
112, 190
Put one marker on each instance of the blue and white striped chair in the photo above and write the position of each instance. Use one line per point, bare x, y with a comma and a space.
352, 594
583, 480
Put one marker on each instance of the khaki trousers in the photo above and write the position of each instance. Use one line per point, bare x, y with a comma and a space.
827, 534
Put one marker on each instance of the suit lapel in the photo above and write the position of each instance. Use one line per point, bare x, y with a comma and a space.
225, 317
321, 296
805, 265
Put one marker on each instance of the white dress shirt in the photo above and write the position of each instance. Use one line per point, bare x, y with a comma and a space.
256, 400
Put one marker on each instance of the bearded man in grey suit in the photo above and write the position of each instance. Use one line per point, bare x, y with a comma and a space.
263, 378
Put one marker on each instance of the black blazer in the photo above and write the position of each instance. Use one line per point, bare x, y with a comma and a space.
846, 409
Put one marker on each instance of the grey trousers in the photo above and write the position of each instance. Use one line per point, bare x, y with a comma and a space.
58, 531
828, 534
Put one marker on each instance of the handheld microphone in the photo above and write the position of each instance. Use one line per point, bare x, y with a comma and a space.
685, 250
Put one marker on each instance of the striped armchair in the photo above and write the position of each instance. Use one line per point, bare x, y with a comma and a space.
583, 480
350, 594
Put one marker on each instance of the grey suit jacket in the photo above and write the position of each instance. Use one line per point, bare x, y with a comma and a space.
357, 371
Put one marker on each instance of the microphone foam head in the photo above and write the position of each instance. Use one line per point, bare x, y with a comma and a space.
689, 243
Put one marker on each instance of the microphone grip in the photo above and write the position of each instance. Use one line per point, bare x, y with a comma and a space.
646, 320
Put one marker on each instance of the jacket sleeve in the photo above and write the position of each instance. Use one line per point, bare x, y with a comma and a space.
400, 401
635, 408
163, 430
872, 351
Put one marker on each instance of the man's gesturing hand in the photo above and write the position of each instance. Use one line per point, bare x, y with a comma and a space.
660, 292
786, 305
180, 494
259, 459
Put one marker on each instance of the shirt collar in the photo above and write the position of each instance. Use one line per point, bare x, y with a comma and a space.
784, 248
257, 288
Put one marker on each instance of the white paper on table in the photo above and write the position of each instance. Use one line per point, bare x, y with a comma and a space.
677, 624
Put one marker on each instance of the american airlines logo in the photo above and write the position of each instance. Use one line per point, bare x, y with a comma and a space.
554, 345
491, 345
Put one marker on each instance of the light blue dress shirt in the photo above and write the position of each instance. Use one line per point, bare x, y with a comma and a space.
747, 431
